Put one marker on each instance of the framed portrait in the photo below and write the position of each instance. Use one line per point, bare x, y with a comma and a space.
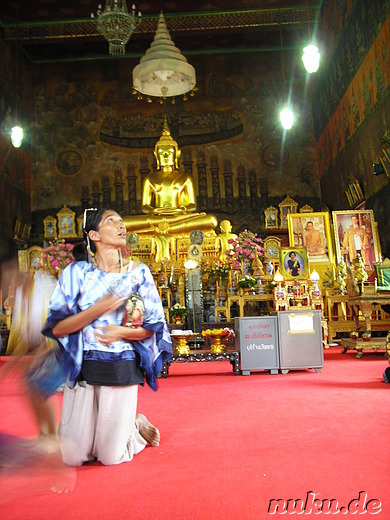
287, 206
355, 233
294, 263
66, 223
80, 226
312, 230
49, 228
271, 218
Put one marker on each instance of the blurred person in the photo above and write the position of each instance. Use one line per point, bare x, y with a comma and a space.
106, 359
27, 345
22, 459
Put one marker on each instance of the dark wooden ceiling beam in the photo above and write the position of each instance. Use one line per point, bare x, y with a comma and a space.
210, 21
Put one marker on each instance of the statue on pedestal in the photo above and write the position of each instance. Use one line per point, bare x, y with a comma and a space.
222, 240
168, 200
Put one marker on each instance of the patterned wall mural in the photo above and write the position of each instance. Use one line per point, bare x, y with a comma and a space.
15, 166
90, 131
351, 107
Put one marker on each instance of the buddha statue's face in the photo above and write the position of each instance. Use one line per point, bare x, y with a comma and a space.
166, 155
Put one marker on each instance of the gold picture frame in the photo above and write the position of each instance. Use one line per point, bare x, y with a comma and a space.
49, 228
312, 230
31, 257
354, 228
80, 226
66, 223
294, 264
271, 218
306, 209
384, 158
287, 206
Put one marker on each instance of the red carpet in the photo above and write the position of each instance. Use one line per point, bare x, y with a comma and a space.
230, 444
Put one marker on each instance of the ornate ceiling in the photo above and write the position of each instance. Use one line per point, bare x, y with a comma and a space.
58, 30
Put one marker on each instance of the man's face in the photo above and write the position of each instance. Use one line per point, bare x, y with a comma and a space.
309, 226
354, 221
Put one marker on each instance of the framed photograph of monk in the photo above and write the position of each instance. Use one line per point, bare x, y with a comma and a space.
312, 230
355, 234
294, 263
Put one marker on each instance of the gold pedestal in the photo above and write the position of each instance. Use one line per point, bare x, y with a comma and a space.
182, 346
217, 347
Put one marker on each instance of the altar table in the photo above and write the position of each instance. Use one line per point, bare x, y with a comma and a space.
201, 356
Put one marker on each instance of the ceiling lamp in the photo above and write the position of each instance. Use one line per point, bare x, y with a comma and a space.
287, 117
163, 71
17, 136
311, 58
116, 24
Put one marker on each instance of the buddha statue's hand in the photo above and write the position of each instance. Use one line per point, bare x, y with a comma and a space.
166, 210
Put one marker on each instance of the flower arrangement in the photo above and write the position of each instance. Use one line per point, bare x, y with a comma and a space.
245, 248
222, 271
247, 281
178, 311
225, 332
56, 257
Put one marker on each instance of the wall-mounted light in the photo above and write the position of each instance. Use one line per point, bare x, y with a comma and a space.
17, 136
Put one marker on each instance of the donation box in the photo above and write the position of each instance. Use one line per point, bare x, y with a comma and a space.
300, 340
257, 341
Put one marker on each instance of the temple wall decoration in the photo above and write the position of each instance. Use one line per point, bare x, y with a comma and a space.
367, 89
229, 135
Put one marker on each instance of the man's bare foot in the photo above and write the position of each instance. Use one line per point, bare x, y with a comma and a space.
149, 432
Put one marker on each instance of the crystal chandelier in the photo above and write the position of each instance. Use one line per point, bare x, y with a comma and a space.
116, 24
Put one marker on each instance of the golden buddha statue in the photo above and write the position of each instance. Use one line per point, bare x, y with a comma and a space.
168, 200
222, 240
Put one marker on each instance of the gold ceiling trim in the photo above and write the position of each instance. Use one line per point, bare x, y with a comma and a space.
228, 21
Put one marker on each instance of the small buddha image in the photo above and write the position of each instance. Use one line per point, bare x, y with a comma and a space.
221, 296
222, 240
162, 279
232, 286
257, 268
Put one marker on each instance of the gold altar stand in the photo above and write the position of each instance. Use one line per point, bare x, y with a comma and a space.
339, 314
241, 300
368, 305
